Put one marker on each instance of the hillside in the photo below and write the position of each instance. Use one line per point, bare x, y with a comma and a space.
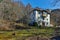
14, 12
14, 19
55, 16
18, 13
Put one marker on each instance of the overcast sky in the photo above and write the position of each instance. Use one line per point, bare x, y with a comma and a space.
44, 4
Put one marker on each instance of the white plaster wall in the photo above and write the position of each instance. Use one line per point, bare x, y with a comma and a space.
34, 18
38, 18
47, 20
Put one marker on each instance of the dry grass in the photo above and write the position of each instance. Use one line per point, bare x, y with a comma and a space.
21, 34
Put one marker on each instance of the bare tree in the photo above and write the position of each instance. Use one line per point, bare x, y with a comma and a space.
28, 8
55, 2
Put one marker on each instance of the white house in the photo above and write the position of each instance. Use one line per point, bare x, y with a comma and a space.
41, 17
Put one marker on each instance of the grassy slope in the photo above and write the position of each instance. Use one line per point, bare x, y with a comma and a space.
47, 32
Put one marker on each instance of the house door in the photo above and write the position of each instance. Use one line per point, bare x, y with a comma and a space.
43, 24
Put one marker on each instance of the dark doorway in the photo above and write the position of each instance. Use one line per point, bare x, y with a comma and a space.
43, 24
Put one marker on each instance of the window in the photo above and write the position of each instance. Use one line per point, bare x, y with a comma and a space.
40, 13
38, 22
47, 23
47, 19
